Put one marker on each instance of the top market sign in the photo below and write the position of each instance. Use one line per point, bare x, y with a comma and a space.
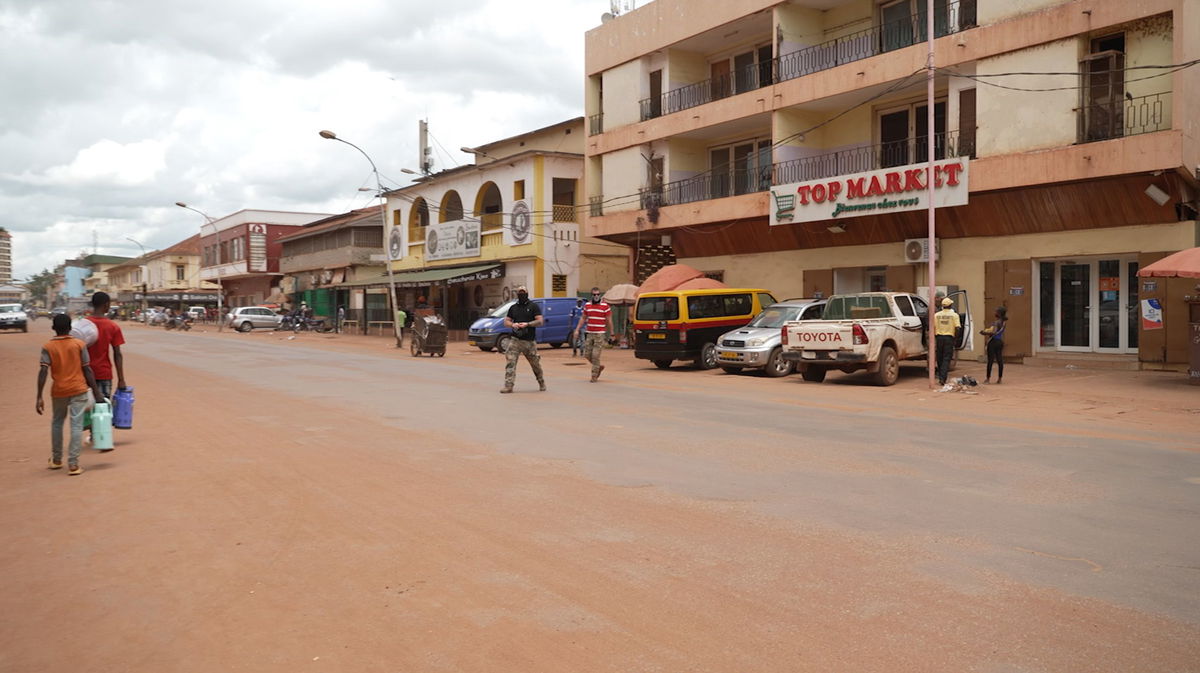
872, 193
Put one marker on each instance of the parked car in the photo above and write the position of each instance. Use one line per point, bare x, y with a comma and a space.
872, 331
489, 332
196, 312
246, 318
757, 345
686, 325
12, 316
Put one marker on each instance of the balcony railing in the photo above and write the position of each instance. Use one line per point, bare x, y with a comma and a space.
1125, 117
716, 185
596, 206
596, 124
952, 18
564, 213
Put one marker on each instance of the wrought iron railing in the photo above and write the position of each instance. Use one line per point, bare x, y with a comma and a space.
564, 213
596, 124
596, 206
1129, 116
951, 18
722, 183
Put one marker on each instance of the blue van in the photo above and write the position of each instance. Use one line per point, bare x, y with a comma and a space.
490, 333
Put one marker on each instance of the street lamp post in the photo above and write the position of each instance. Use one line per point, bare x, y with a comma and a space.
220, 288
145, 273
387, 248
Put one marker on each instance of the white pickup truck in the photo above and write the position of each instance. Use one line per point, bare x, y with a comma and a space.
872, 331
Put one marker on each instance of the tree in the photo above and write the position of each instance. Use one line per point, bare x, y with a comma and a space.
40, 283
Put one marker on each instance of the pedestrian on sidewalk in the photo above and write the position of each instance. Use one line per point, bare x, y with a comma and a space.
596, 324
576, 335
995, 344
65, 360
110, 338
945, 328
524, 317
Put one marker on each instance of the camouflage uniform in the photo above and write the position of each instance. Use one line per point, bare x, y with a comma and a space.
517, 348
593, 346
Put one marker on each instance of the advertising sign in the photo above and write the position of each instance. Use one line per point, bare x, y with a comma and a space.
451, 240
889, 190
520, 225
1152, 317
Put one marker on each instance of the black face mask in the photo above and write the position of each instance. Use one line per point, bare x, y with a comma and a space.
522, 297
596, 299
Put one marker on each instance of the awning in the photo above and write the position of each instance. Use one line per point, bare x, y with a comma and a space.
461, 274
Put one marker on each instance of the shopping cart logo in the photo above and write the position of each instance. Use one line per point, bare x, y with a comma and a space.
785, 206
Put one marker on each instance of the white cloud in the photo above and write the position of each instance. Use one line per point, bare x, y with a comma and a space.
109, 113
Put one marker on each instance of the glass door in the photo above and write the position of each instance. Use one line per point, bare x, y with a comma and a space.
1074, 307
1111, 310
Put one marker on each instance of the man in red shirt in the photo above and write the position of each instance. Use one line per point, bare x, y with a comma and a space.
109, 336
597, 317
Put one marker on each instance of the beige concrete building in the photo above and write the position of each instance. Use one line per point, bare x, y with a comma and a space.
5, 257
169, 278
774, 144
465, 238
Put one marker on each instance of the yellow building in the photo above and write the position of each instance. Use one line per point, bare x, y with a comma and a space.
168, 278
466, 237
743, 137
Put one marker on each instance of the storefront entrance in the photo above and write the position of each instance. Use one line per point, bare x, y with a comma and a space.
1089, 305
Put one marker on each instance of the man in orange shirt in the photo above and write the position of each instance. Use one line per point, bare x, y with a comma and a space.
65, 359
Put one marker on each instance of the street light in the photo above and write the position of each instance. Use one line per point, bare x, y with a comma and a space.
145, 273
477, 152
208, 219
387, 248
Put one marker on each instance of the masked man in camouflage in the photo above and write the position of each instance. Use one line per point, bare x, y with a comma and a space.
524, 317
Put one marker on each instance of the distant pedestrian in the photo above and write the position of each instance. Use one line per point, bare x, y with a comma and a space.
945, 328
596, 324
995, 344
65, 360
109, 338
401, 317
576, 335
524, 317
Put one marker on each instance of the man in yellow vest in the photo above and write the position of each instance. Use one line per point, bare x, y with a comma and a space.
945, 329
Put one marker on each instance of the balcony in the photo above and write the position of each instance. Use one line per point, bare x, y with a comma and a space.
817, 167
565, 213
950, 18
596, 124
1106, 120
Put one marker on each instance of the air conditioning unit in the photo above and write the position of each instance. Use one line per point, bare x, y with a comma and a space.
916, 250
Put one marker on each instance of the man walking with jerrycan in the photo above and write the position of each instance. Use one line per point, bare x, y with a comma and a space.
524, 317
109, 336
65, 361
597, 317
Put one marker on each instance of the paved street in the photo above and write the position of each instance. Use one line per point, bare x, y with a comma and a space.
328, 503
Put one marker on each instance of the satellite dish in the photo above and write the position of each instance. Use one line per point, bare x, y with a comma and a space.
606, 17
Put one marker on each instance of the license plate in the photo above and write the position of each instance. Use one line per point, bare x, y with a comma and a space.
729, 355
656, 336
808, 355
472, 343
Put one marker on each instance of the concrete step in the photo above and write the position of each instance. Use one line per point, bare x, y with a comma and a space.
1104, 361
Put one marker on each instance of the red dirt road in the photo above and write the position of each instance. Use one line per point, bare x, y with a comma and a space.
260, 527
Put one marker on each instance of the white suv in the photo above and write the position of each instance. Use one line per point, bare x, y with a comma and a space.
12, 316
246, 318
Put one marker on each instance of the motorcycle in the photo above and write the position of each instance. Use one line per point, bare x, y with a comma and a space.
180, 322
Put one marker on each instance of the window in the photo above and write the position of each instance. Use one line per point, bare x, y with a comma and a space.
741, 168
765, 300
905, 305
813, 312
857, 307
904, 132
518, 190
563, 199
737, 304
658, 308
655, 94
902, 22
180, 272
1102, 104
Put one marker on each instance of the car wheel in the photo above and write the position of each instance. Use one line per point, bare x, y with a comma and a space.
502, 343
557, 344
889, 367
731, 370
814, 374
246, 326
708, 357
485, 349
776, 365
662, 364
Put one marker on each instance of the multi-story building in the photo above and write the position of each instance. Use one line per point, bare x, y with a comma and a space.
240, 252
5, 257
465, 238
781, 145
83, 276
168, 278
321, 256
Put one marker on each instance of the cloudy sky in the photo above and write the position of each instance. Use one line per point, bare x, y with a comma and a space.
110, 112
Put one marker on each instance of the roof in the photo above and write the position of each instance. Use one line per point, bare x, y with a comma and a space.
362, 217
188, 246
103, 259
562, 124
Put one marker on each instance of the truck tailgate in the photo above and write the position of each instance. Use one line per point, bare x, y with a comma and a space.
819, 335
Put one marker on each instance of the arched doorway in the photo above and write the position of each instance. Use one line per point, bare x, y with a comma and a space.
451, 207
489, 206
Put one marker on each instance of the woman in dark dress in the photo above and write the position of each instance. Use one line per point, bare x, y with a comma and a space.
995, 344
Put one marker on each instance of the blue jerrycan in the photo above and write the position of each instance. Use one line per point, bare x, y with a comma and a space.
102, 429
122, 413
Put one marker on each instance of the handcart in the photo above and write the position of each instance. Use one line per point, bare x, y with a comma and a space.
429, 336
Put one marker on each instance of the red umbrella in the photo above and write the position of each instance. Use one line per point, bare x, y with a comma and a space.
1183, 264
702, 283
669, 278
